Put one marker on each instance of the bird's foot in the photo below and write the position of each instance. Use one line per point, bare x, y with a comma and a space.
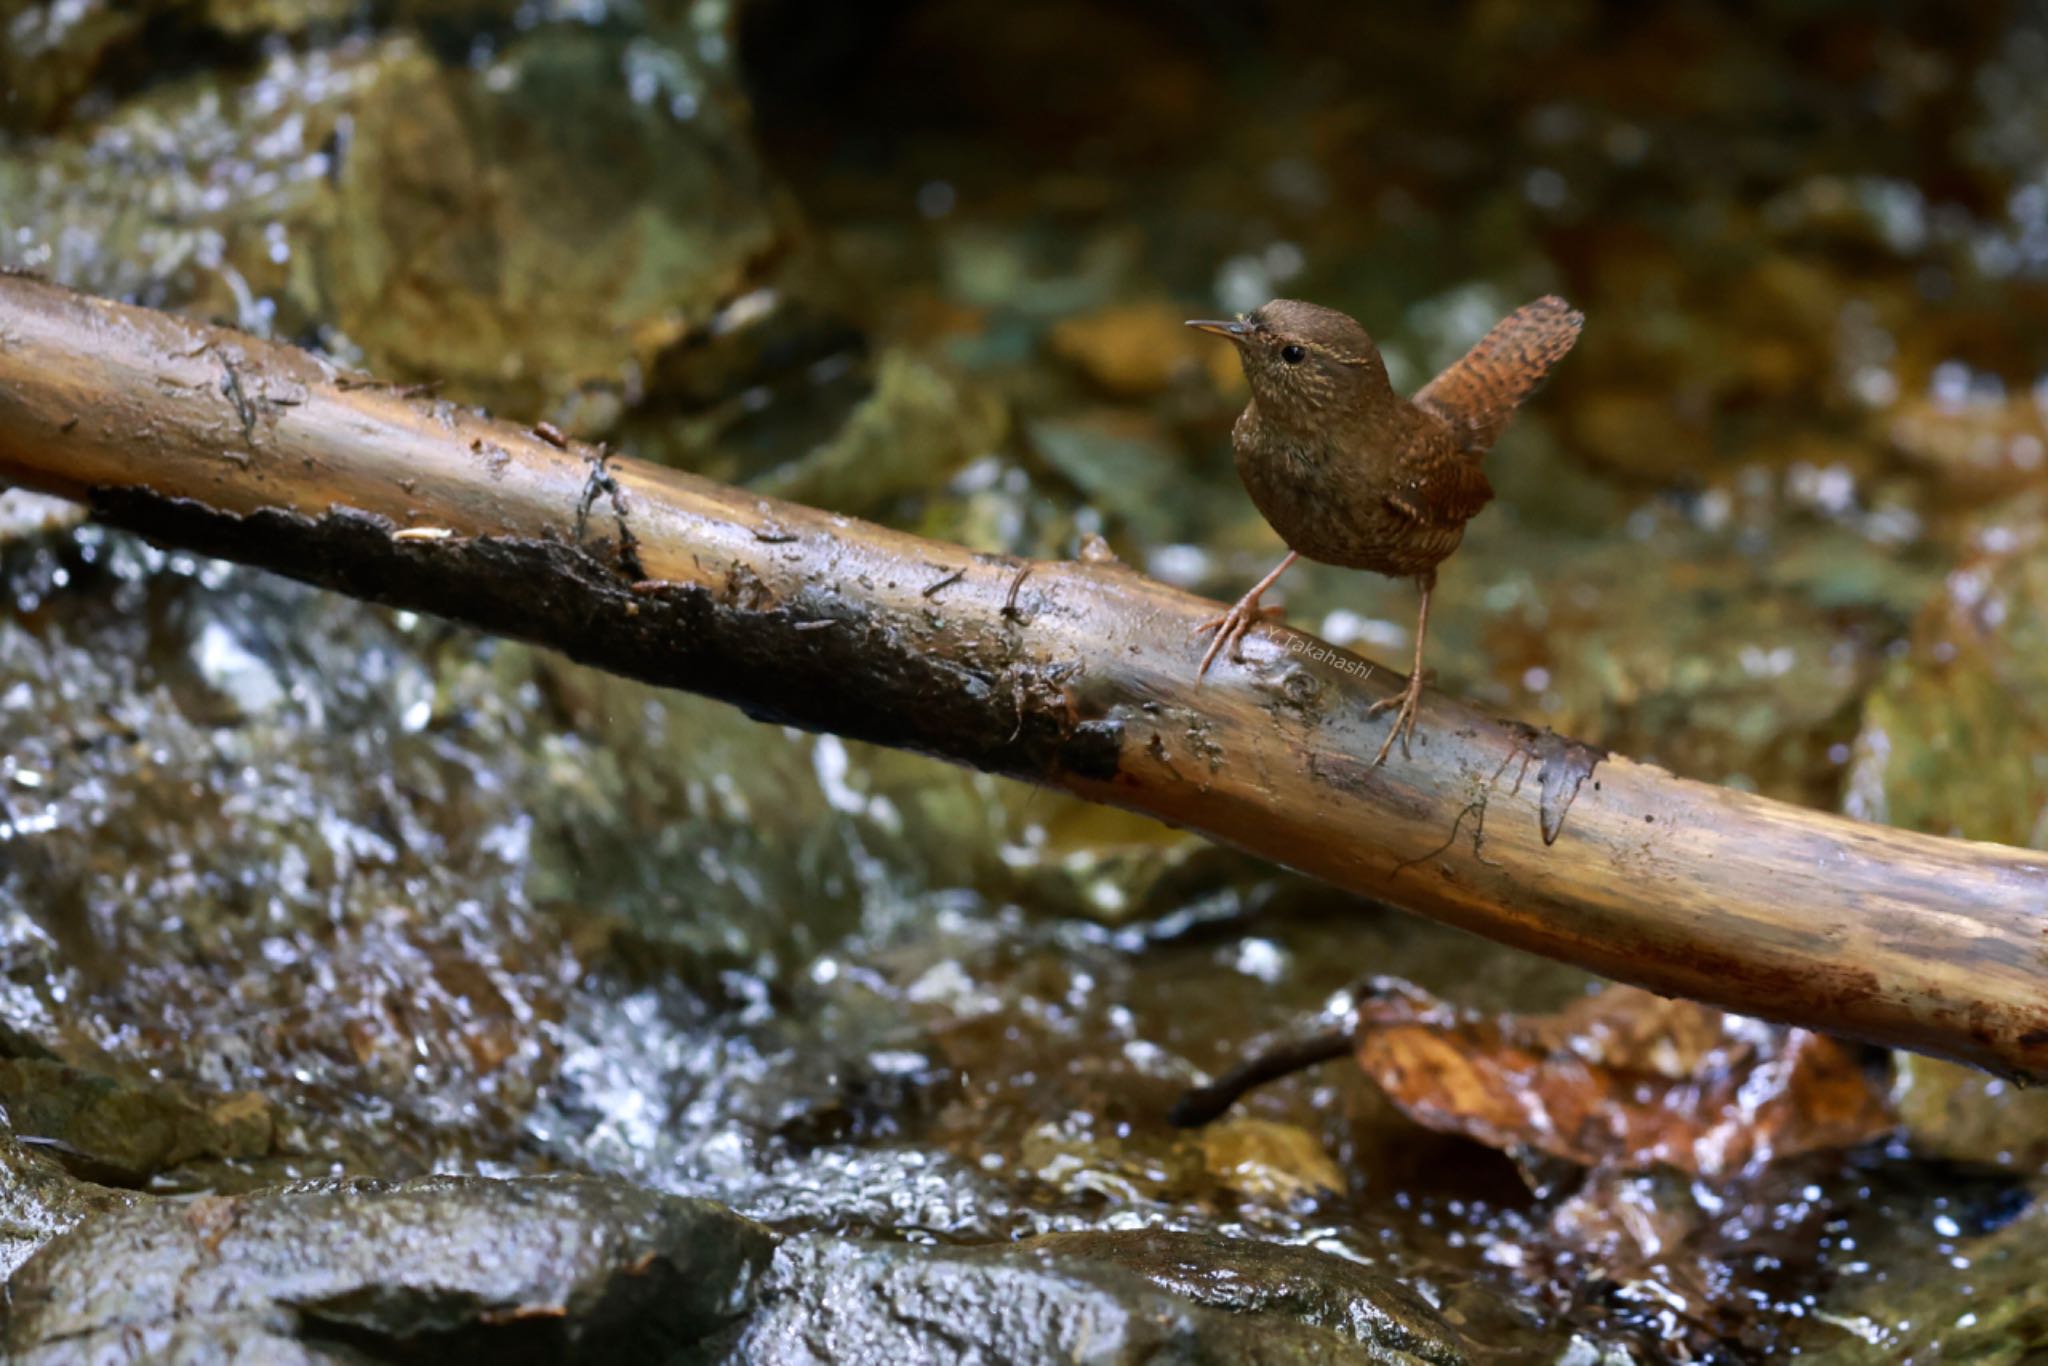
1404, 719
1230, 629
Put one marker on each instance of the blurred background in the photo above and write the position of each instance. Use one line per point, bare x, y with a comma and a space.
416, 900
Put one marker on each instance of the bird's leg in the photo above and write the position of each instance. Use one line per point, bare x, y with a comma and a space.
1411, 696
1231, 626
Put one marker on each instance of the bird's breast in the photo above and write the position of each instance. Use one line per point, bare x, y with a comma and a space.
1328, 505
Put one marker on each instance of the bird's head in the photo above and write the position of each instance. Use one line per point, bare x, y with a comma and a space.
1305, 361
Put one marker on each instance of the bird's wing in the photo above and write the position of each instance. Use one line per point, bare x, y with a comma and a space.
1439, 487
1476, 396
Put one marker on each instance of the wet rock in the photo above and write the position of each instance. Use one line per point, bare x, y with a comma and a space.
569, 1268
1046, 275
1959, 1280
1090, 1298
49, 53
576, 225
1123, 463
1639, 434
1948, 1110
254, 18
1705, 362
39, 1201
1974, 448
643, 779
1954, 740
1081, 1155
919, 424
1113, 866
235, 173
1136, 350
52, 53
642, 782
546, 226
1685, 649
1264, 1160
124, 1134
1277, 1282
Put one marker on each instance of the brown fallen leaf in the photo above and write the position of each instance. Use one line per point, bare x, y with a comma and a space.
1623, 1080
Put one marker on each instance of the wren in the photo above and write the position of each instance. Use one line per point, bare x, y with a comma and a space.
1350, 473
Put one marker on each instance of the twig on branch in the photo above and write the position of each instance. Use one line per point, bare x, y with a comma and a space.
232, 446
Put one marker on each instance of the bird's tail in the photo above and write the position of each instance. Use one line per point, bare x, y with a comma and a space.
1476, 396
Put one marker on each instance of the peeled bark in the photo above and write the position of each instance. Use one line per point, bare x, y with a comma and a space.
1079, 675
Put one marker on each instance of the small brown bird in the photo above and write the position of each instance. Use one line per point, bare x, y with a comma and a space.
1349, 472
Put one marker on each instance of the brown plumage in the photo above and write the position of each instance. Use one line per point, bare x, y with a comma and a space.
1349, 472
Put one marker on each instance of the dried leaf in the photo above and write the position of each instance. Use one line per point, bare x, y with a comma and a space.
1621, 1080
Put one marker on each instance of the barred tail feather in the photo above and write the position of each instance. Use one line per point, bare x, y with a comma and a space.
1476, 396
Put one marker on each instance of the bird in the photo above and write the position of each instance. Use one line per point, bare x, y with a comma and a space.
1350, 473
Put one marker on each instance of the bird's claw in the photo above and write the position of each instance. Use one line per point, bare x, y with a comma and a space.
1404, 719
1230, 631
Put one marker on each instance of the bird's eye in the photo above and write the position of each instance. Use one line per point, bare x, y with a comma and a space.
1293, 354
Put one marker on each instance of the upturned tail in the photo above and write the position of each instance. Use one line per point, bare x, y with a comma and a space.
1476, 396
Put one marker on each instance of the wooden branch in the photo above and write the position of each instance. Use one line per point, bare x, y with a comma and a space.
1078, 675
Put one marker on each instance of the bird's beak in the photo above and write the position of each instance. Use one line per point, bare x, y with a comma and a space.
1236, 331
